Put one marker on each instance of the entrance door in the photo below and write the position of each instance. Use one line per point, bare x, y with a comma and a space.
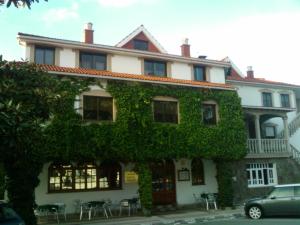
163, 183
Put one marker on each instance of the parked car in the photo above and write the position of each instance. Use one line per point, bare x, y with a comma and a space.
8, 216
283, 200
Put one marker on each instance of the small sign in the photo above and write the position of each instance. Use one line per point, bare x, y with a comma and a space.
131, 177
183, 174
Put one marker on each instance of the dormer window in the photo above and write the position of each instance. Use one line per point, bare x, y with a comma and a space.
140, 45
156, 68
92, 61
199, 73
44, 55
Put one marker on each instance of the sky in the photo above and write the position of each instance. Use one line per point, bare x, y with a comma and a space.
264, 34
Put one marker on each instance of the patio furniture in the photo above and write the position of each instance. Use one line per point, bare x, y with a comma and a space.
199, 199
55, 209
211, 199
129, 204
108, 205
93, 207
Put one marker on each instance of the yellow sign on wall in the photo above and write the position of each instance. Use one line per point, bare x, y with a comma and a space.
131, 177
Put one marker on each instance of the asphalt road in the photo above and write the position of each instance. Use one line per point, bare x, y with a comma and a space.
245, 221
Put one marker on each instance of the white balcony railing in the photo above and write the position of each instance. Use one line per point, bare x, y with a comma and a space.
267, 146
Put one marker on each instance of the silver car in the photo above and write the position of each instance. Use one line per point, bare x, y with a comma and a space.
283, 200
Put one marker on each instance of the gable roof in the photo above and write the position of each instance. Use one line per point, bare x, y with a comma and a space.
138, 30
131, 77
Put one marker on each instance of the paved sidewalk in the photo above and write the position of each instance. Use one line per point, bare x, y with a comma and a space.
175, 218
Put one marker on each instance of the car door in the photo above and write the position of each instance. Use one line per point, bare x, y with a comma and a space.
295, 204
279, 201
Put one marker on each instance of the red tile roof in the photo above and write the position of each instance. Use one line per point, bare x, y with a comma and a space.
234, 76
114, 75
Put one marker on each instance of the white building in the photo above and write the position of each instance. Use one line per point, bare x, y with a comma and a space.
272, 122
137, 58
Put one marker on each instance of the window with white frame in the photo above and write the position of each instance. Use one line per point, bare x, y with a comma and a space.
261, 174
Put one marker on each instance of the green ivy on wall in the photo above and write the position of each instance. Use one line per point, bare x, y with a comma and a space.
134, 136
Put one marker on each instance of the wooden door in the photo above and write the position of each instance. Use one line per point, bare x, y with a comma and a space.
163, 183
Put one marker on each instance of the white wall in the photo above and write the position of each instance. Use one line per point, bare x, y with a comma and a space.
216, 75
252, 96
185, 189
181, 71
27, 52
67, 57
43, 197
126, 64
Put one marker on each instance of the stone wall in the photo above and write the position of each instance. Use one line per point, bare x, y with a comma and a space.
288, 171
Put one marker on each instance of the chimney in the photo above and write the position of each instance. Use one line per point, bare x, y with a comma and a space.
185, 48
250, 72
89, 33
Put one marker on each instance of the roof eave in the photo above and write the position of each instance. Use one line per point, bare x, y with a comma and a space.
143, 81
264, 84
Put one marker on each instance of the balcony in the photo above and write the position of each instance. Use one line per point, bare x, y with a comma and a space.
268, 148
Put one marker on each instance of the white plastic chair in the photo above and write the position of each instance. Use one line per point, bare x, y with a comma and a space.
125, 204
211, 200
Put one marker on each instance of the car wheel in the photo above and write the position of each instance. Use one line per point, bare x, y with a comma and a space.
255, 212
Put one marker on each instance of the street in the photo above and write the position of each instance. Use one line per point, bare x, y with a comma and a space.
245, 221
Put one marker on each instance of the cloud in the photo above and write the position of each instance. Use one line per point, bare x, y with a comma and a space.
124, 3
61, 14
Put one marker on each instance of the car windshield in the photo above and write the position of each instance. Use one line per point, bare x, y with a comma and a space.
7, 213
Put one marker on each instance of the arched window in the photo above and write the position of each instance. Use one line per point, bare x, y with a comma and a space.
60, 177
86, 176
110, 175
197, 172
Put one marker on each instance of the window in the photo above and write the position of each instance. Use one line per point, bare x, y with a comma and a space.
64, 178
156, 68
270, 131
297, 191
197, 172
44, 55
110, 176
209, 114
267, 99
140, 44
285, 100
92, 61
86, 177
261, 174
199, 73
283, 192
97, 108
165, 111
60, 177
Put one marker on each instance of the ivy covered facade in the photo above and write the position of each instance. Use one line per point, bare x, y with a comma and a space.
136, 123
134, 142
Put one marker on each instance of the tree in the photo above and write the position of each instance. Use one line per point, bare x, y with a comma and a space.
29, 98
18, 3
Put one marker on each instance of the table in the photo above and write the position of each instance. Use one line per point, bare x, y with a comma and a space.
93, 206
